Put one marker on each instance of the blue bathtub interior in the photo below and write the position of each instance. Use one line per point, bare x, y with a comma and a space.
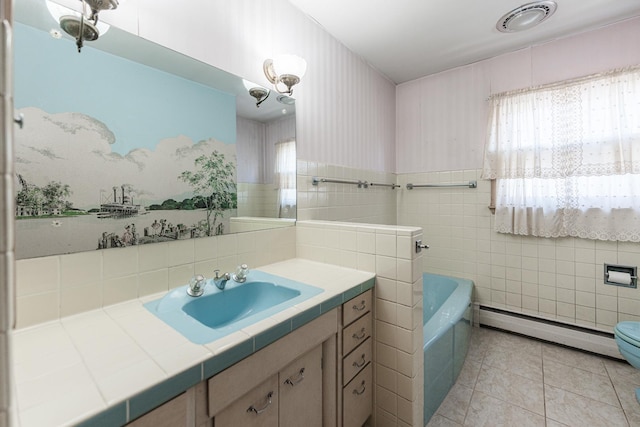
447, 318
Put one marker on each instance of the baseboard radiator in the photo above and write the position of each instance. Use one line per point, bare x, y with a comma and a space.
581, 338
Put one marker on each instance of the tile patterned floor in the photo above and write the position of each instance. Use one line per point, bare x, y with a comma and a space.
510, 381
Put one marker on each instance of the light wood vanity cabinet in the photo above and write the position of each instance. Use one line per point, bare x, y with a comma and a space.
290, 370
319, 375
292, 397
357, 377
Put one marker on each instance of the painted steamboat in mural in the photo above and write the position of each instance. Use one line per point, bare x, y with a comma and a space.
122, 208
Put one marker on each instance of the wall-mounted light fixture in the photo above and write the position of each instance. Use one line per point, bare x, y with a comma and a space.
81, 26
285, 69
258, 92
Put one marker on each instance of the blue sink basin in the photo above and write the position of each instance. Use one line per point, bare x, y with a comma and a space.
218, 313
224, 308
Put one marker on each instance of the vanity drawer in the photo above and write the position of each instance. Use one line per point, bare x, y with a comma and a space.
357, 399
356, 360
356, 333
356, 307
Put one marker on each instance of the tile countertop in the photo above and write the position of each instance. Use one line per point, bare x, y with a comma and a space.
109, 366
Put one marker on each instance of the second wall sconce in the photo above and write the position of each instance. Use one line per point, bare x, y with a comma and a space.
285, 69
258, 92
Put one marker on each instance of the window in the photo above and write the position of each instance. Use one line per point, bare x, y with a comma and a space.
285, 175
566, 158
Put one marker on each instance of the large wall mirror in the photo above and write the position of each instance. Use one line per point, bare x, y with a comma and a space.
130, 143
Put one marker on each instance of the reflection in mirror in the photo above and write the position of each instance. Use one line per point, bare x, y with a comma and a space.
130, 143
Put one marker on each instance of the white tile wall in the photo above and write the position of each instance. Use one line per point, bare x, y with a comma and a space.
344, 202
257, 200
62, 285
559, 279
388, 251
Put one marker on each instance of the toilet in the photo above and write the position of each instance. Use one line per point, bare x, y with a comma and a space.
628, 339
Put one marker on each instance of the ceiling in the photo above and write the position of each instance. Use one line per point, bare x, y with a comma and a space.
408, 39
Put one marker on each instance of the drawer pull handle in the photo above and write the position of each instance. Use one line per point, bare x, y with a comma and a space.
264, 408
361, 364
361, 391
363, 305
295, 381
362, 334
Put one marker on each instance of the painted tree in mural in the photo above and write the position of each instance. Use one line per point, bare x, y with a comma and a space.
214, 184
34, 201
56, 195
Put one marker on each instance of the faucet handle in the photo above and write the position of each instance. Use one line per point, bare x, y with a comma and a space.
196, 285
240, 275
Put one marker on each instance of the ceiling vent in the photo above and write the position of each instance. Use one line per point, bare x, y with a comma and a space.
526, 16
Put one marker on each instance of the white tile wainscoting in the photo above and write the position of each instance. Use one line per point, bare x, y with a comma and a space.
389, 251
57, 286
560, 279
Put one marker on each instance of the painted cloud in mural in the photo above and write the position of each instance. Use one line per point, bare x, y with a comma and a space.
79, 151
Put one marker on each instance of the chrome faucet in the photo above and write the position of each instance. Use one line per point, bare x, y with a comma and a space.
196, 285
221, 281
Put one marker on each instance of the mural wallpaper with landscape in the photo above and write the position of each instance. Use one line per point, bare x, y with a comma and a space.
114, 153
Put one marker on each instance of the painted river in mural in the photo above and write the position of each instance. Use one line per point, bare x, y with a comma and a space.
41, 237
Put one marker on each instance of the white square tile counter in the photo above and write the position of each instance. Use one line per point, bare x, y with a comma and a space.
71, 370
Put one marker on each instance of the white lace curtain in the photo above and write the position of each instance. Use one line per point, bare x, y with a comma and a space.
566, 158
285, 176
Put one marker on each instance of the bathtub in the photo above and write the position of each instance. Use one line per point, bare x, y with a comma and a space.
447, 319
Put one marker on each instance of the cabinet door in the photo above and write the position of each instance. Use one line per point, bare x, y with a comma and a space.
301, 391
258, 408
